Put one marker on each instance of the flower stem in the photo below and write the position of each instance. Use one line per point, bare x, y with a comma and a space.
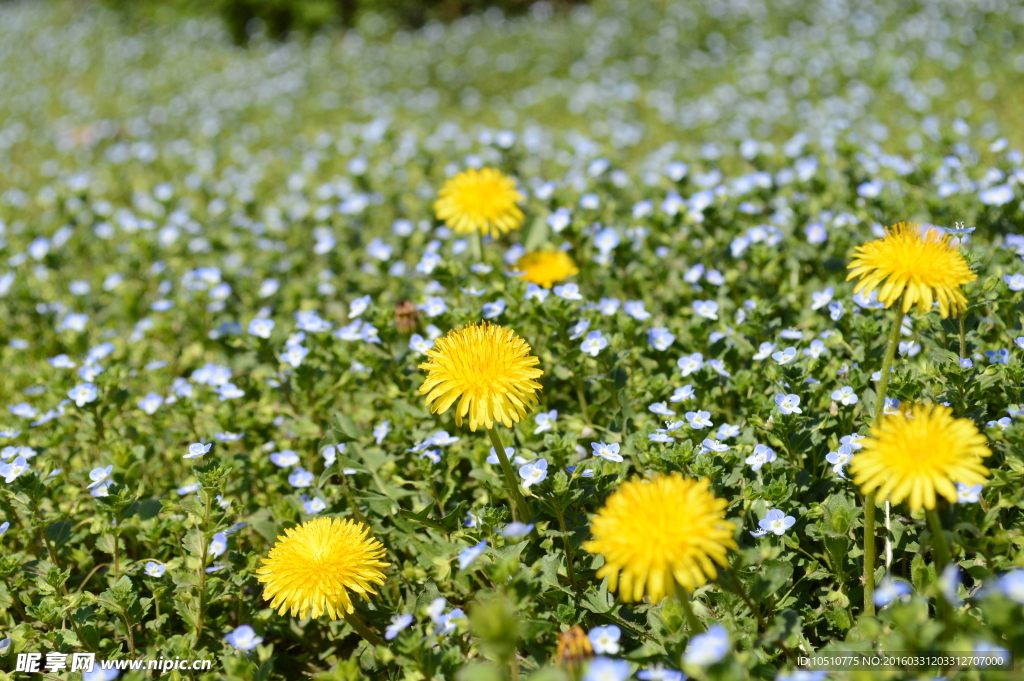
363, 629
940, 547
869, 498
568, 550
963, 339
684, 600
519, 505
477, 244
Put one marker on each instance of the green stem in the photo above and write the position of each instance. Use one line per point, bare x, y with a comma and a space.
202, 568
363, 629
963, 339
568, 550
519, 505
684, 600
582, 397
940, 551
477, 244
743, 594
869, 498
939, 545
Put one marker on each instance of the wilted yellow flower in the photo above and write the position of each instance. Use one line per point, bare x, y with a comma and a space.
481, 201
545, 268
313, 567
918, 452
652, 532
921, 267
488, 369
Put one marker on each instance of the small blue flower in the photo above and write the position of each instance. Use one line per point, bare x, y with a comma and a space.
659, 673
845, 395
605, 640
243, 638
83, 394
889, 590
155, 570
300, 477
840, 459
609, 452
708, 648
968, 494
699, 419
594, 343
381, 430
197, 449
785, 356
261, 327
516, 530
534, 472
545, 421
218, 545
690, 363
468, 556
99, 476
314, 506
706, 308
492, 310
578, 329
776, 521
607, 669
635, 309
660, 338
398, 624
661, 409
762, 454
568, 291
788, 404
682, 394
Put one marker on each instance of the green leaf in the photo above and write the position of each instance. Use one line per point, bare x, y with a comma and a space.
59, 532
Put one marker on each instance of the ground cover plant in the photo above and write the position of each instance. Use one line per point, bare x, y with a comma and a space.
638, 340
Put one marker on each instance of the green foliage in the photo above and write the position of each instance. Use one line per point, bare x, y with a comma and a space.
163, 193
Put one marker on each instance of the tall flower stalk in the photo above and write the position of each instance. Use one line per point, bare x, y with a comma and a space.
916, 267
487, 373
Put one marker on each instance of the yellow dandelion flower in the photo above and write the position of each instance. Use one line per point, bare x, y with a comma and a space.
921, 267
481, 201
313, 567
918, 452
545, 268
652, 532
488, 369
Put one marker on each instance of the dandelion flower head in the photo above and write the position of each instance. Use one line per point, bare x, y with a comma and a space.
314, 566
921, 266
481, 201
919, 452
546, 268
654, 532
487, 369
